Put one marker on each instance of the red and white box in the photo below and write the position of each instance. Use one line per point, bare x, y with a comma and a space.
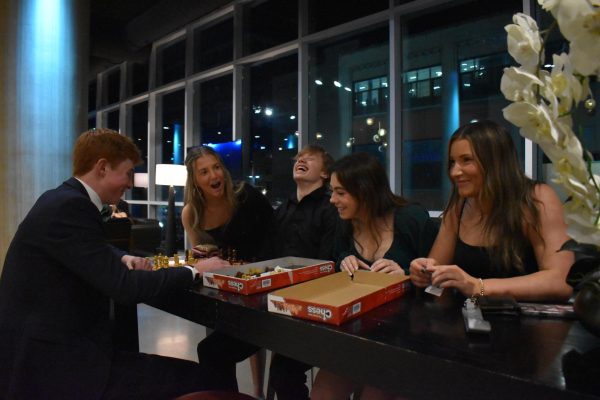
336, 298
296, 270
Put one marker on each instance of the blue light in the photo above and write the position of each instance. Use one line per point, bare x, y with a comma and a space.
177, 150
231, 154
291, 142
46, 72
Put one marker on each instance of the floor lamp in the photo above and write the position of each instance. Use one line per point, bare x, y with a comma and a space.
170, 175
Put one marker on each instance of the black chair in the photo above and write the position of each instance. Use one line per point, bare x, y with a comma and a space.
145, 237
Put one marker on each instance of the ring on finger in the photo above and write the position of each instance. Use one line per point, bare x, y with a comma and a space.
424, 270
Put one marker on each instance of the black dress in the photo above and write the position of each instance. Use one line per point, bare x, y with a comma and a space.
476, 260
245, 234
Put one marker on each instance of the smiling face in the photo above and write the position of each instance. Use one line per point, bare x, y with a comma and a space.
115, 181
309, 168
464, 169
346, 204
209, 176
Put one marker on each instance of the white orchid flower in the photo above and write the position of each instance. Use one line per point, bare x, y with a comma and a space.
534, 120
579, 22
543, 102
548, 5
565, 86
519, 85
524, 42
581, 224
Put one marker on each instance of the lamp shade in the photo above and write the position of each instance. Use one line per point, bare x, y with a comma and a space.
140, 179
171, 174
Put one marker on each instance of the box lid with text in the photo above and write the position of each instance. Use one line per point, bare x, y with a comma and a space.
335, 299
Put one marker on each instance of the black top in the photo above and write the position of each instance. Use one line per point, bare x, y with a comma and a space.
414, 233
476, 260
247, 230
305, 228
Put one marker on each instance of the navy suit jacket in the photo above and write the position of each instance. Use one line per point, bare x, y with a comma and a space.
58, 278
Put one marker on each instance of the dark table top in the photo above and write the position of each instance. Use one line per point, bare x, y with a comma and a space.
415, 345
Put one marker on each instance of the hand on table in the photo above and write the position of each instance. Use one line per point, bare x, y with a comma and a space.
210, 264
137, 263
445, 276
351, 264
387, 266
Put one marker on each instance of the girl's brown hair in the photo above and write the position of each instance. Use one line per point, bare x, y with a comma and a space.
363, 177
507, 195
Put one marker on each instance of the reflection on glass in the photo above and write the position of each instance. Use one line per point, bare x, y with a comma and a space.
139, 210
214, 110
263, 30
170, 65
452, 60
213, 45
273, 141
169, 149
138, 131
161, 216
349, 94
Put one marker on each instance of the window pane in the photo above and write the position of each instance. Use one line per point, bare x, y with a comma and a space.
170, 65
270, 23
139, 78
213, 45
273, 125
345, 121
323, 14
92, 90
112, 120
111, 87
455, 57
138, 131
170, 136
214, 110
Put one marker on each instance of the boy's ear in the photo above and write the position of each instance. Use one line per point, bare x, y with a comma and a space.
100, 166
324, 175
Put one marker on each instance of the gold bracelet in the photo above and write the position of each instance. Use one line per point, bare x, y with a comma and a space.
481, 293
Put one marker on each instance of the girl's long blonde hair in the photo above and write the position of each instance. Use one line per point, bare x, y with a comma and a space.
193, 194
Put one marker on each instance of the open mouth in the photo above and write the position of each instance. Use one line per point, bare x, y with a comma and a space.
216, 185
302, 168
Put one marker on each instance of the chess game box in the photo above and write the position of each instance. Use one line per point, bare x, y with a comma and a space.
335, 299
267, 275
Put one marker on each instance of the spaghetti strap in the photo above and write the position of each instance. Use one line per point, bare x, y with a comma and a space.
462, 208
